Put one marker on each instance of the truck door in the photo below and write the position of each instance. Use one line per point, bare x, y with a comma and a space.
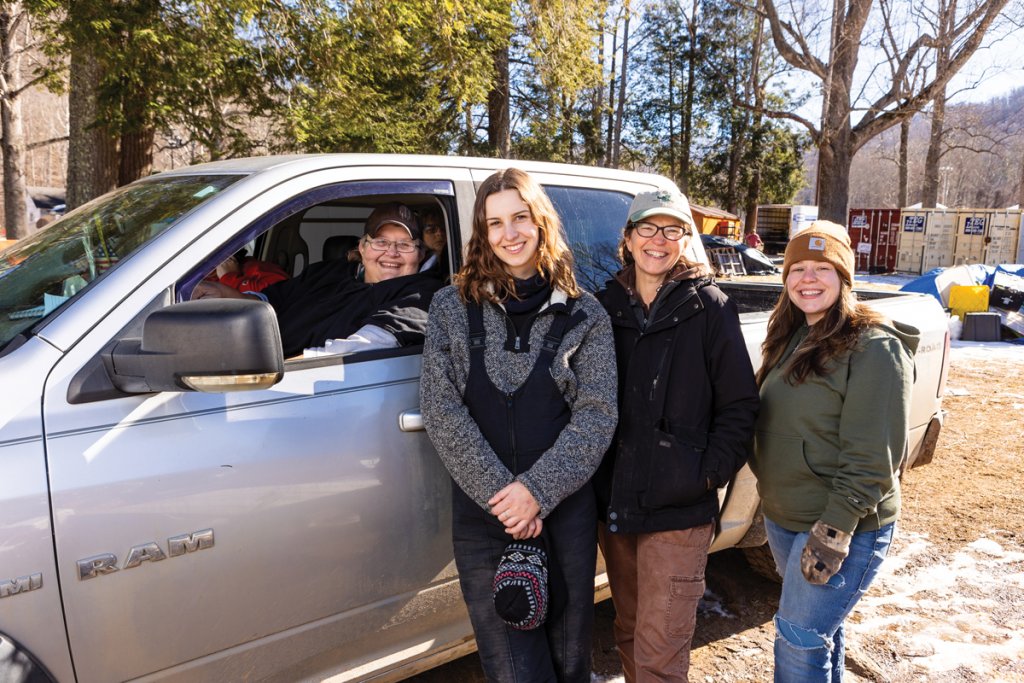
272, 533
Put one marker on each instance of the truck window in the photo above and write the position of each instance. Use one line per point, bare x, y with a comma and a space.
593, 221
50, 267
310, 237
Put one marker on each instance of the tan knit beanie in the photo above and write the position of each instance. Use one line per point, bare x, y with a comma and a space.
821, 241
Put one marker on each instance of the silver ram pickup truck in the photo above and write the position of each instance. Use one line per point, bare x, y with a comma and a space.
179, 502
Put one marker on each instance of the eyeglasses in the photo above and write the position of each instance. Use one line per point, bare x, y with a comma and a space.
403, 247
671, 232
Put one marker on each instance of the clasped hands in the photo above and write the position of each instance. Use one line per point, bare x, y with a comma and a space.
518, 510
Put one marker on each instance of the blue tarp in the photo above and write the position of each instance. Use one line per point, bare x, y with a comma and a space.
1005, 282
981, 274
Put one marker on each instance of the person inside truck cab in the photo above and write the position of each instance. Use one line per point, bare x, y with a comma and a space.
334, 307
246, 274
436, 242
687, 405
835, 401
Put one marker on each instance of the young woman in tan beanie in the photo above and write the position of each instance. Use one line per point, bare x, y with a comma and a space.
835, 393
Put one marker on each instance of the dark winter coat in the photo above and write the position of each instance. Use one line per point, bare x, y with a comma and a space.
327, 302
687, 406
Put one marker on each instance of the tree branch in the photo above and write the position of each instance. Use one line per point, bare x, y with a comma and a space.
43, 143
804, 59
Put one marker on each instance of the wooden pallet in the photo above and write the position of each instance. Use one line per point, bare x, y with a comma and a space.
728, 260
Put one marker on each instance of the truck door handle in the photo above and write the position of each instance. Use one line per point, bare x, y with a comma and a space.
410, 421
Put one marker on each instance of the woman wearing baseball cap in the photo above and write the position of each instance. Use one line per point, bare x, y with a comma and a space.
835, 393
687, 405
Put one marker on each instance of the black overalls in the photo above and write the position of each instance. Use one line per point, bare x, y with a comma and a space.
520, 426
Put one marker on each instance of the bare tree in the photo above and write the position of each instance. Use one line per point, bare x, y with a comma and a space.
837, 135
16, 43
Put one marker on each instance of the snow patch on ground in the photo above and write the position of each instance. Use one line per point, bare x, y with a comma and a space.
988, 351
711, 603
947, 613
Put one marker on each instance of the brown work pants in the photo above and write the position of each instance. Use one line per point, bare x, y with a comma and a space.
657, 579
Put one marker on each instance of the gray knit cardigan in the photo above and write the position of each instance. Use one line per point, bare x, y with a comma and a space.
583, 369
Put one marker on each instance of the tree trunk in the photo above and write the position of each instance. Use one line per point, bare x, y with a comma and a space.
904, 162
834, 161
672, 142
92, 152
754, 187
467, 113
1020, 185
609, 139
499, 135
593, 137
136, 155
12, 134
620, 109
686, 125
930, 189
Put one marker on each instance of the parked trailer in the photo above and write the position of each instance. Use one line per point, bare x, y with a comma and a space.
776, 223
874, 235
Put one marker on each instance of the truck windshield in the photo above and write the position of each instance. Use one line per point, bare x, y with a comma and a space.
45, 269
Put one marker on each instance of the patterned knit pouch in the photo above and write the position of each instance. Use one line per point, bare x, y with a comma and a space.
521, 584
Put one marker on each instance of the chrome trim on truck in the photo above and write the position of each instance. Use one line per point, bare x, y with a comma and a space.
106, 563
22, 584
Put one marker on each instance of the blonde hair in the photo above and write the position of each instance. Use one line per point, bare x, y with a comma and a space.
483, 276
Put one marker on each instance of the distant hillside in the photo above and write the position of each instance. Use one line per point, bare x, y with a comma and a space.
982, 166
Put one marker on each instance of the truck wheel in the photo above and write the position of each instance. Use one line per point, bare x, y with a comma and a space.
18, 666
760, 559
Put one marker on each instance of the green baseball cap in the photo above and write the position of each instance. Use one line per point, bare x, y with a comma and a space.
653, 202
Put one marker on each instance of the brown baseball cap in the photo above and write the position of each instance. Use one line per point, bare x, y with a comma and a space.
395, 213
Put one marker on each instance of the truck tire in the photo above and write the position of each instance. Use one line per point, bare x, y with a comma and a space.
18, 666
760, 559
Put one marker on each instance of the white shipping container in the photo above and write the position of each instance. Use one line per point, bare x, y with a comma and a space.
1003, 236
972, 229
927, 239
800, 217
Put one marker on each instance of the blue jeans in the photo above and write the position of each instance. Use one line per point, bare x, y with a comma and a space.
809, 634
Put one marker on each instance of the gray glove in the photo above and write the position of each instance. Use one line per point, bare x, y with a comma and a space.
824, 553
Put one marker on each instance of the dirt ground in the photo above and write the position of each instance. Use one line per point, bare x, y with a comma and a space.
949, 603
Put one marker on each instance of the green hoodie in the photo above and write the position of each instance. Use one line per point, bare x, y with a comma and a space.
830, 448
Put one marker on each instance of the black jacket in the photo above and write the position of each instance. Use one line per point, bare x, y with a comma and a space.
327, 302
687, 406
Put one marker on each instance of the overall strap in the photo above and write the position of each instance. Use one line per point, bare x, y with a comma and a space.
563, 322
477, 333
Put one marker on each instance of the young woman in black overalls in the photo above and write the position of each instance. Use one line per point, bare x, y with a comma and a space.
518, 397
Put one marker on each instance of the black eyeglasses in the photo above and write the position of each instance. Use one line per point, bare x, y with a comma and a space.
671, 232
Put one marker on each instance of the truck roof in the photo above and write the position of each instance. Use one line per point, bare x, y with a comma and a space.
314, 162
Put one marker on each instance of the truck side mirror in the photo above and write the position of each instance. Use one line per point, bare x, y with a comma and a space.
210, 345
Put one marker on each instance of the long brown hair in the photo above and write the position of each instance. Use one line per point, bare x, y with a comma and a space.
832, 336
483, 276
